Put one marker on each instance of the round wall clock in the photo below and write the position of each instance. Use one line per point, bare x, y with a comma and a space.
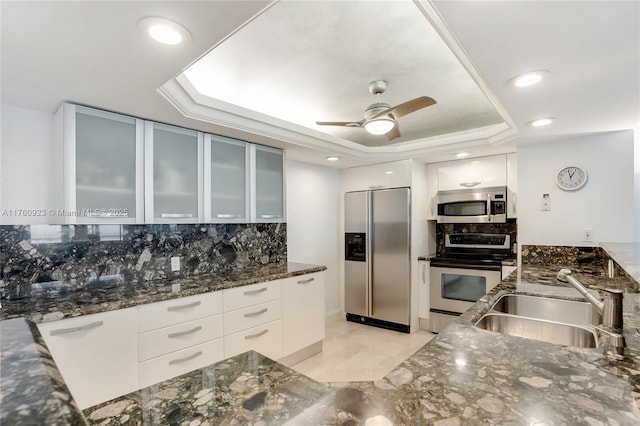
571, 178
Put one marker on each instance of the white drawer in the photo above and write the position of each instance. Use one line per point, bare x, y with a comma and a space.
175, 311
252, 316
169, 339
176, 363
266, 339
241, 297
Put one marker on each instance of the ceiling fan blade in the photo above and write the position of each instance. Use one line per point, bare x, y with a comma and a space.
394, 133
408, 107
341, 123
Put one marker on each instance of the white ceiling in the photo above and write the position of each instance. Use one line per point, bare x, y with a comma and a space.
92, 53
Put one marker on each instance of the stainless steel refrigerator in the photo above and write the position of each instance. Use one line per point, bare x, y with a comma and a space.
377, 257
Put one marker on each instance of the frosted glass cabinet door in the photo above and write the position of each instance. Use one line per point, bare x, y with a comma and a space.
103, 173
228, 181
269, 184
173, 174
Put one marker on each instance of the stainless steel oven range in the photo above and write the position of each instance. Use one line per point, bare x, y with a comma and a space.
471, 266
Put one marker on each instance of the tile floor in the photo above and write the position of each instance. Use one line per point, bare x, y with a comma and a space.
354, 352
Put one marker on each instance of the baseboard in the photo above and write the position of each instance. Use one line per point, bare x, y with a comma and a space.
333, 316
302, 354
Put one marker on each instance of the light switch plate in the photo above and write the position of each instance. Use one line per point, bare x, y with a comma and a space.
175, 263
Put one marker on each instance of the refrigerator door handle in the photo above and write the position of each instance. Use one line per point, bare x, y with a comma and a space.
369, 253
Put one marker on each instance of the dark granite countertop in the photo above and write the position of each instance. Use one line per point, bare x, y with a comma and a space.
53, 301
464, 376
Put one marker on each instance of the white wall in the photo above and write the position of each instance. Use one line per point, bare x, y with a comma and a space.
27, 161
637, 184
605, 204
313, 194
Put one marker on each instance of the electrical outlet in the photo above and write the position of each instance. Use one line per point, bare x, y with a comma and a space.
545, 204
587, 235
175, 263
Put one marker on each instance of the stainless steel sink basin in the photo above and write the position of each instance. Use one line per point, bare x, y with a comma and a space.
546, 331
546, 308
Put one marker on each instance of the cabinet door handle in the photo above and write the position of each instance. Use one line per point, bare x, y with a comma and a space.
270, 216
181, 307
306, 281
184, 333
253, 336
252, 292
175, 215
256, 313
71, 330
185, 359
469, 184
228, 216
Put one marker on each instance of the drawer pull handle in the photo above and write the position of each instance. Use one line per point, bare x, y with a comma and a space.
254, 314
306, 281
176, 215
470, 184
252, 292
228, 216
253, 336
181, 307
71, 330
184, 333
270, 216
185, 359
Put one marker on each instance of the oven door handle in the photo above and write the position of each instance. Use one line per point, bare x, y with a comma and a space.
437, 264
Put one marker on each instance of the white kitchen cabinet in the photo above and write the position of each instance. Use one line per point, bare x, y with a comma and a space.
481, 172
180, 362
432, 190
103, 173
265, 338
267, 184
303, 313
179, 335
174, 174
252, 319
226, 180
175, 311
249, 295
396, 174
96, 354
423, 291
512, 186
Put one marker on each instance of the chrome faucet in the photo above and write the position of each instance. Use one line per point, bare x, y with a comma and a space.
610, 309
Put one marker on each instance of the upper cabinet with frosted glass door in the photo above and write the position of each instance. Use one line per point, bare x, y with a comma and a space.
268, 192
102, 153
226, 180
173, 174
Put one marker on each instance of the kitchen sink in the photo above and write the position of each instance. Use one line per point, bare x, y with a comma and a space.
546, 308
539, 329
559, 321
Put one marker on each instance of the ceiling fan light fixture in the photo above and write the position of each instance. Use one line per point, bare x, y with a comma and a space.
379, 126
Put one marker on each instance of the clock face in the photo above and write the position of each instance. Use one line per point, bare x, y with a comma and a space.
571, 178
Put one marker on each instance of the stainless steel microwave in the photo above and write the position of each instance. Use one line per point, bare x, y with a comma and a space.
481, 205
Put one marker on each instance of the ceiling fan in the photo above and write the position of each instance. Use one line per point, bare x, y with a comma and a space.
381, 118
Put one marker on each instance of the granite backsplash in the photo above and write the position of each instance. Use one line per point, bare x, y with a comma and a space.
33, 257
510, 228
583, 260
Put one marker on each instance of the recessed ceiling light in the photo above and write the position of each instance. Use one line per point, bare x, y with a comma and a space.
529, 79
462, 154
389, 172
541, 122
164, 31
332, 158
